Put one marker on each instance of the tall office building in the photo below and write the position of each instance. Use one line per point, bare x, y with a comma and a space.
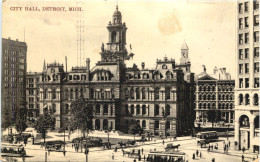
247, 77
13, 80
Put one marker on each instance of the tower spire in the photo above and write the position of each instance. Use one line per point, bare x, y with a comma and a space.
44, 65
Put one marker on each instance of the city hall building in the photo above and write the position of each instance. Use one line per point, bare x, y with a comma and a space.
160, 100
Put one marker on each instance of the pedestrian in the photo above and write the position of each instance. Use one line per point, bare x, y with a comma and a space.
163, 142
243, 149
197, 153
200, 154
208, 150
228, 143
139, 158
243, 158
113, 156
142, 151
144, 158
49, 151
193, 156
253, 158
213, 160
139, 152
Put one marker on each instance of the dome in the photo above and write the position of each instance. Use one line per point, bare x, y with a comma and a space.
116, 13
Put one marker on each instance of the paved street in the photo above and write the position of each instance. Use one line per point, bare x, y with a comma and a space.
187, 145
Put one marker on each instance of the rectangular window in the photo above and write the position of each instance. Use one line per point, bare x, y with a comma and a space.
241, 23
30, 85
256, 82
246, 6
30, 92
246, 37
246, 53
240, 38
256, 67
246, 22
240, 68
246, 68
256, 4
256, 36
256, 52
31, 99
256, 20
246, 82
156, 124
240, 7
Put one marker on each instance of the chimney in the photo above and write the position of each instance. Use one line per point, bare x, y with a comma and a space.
143, 65
88, 64
66, 63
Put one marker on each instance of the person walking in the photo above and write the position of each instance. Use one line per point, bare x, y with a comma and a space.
243, 158
142, 151
243, 149
163, 142
113, 156
200, 154
213, 160
197, 153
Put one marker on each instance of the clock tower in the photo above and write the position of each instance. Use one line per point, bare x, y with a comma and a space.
115, 50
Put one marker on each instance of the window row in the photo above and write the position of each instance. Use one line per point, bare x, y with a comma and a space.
155, 75
213, 106
244, 38
246, 69
245, 100
72, 93
246, 85
101, 94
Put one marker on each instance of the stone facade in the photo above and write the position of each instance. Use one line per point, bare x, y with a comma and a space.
247, 76
14, 64
159, 99
214, 99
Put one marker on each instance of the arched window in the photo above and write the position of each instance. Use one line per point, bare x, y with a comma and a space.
132, 109
231, 97
204, 88
213, 88
227, 97
223, 97
76, 93
200, 97
213, 97
91, 93
81, 92
240, 98
168, 93
208, 88
53, 94
143, 124
71, 94
113, 36
132, 93
143, 93
168, 75
204, 106
204, 97
105, 109
97, 109
219, 97
231, 106
168, 125
156, 112
156, 93
138, 109
244, 121
168, 110
53, 108
213, 106
200, 88
209, 106
255, 99
144, 109
208, 97
66, 108
256, 122
137, 93
126, 109
67, 94
200, 104
247, 100
219, 106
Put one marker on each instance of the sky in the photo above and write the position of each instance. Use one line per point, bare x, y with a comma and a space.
155, 29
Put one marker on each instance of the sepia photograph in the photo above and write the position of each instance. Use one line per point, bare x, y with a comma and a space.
129, 80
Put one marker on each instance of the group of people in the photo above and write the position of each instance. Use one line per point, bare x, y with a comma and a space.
226, 146
76, 146
198, 154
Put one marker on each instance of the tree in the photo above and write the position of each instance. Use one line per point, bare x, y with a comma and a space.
44, 123
81, 116
135, 129
20, 125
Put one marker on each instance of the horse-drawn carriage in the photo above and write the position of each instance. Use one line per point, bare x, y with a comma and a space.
170, 146
54, 145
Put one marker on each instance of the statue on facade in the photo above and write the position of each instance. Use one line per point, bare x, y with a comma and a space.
102, 47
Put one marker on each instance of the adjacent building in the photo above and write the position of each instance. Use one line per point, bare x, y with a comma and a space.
13, 98
214, 103
247, 76
159, 99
